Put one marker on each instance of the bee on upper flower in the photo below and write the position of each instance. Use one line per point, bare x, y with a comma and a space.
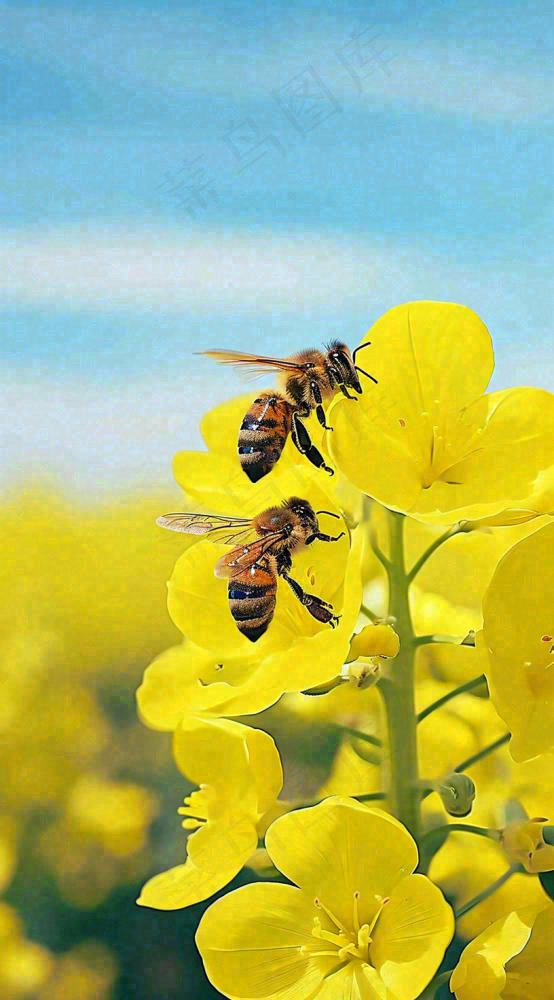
308, 379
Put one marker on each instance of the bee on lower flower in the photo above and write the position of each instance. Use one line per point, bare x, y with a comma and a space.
264, 551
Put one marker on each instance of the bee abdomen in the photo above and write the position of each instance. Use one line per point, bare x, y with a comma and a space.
263, 433
252, 607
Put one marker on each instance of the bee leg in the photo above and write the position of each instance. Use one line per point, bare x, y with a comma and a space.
320, 412
320, 536
317, 607
302, 441
345, 392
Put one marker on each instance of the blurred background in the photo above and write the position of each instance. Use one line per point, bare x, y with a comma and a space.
178, 177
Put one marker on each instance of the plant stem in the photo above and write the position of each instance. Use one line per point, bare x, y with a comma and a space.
462, 689
370, 614
453, 640
420, 563
370, 797
486, 892
398, 691
383, 559
447, 828
374, 740
490, 748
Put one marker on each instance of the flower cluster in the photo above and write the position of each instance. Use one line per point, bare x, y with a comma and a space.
407, 660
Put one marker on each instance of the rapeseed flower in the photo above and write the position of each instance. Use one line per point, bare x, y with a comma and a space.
434, 446
356, 922
239, 774
518, 634
217, 671
510, 960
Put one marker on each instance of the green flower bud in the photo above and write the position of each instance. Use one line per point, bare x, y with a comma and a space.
457, 793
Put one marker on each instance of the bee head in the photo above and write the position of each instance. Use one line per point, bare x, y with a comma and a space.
303, 510
340, 358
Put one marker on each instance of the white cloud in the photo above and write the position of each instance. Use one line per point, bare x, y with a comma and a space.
180, 269
94, 438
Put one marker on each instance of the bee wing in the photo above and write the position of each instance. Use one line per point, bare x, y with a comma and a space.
253, 365
243, 557
228, 530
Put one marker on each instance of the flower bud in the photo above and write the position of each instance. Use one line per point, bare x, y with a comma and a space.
530, 843
362, 673
374, 640
457, 793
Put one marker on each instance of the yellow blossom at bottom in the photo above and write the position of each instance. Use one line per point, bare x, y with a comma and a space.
356, 923
510, 960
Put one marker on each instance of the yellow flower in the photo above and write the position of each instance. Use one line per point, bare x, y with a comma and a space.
530, 843
87, 971
360, 923
239, 773
466, 865
425, 440
24, 965
510, 960
518, 632
115, 814
218, 672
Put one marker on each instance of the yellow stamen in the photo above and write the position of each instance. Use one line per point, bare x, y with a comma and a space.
335, 920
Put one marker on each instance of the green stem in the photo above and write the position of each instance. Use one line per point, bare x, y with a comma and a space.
420, 563
453, 640
369, 797
383, 559
490, 748
370, 614
398, 691
462, 689
439, 831
374, 740
486, 892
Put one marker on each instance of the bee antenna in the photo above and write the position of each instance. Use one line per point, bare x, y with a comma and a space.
372, 377
330, 513
360, 348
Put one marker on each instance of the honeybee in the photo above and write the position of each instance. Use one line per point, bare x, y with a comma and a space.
308, 379
264, 551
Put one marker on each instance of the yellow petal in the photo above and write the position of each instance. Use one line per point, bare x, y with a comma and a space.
266, 769
374, 640
513, 447
183, 886
216, 855
518, 633
432, 359
529, 973
176, 682
355, 982
480, 971
224, 754
411, 936
251, 941
341, 847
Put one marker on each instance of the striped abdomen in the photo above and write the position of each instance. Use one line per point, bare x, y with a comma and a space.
252, 597
263, 433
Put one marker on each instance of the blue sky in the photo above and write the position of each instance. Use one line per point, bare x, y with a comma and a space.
254, 175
